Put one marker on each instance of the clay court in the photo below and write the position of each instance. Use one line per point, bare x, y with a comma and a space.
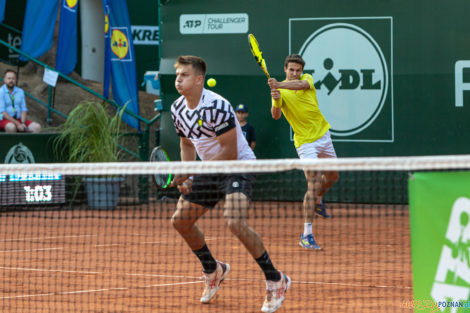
132, 260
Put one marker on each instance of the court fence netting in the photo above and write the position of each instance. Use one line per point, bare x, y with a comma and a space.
62, 251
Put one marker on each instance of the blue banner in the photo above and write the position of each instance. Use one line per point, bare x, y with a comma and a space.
2, 10
120, 59
67, 43
38, 27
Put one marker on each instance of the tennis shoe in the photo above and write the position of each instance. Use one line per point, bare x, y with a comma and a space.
320, 209
275, 292
213, 281
308, 242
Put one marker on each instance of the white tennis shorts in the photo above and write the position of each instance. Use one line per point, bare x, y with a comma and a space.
321, 148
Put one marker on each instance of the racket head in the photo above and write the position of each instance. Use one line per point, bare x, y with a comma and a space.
255, 50
162, 181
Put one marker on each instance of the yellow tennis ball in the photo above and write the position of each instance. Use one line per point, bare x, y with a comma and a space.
211, 82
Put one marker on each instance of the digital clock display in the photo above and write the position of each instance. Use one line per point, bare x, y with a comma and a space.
37, 188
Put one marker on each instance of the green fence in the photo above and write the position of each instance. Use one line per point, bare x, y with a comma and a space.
390, 79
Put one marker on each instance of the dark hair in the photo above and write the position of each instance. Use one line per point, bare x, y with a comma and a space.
197, 63
10, 71
294, 58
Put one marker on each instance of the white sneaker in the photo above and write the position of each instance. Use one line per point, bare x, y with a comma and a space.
213, 281
275, 291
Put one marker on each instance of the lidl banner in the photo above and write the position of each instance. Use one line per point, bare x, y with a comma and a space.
38, 27
120, 59
2, 10
440, 241
67, 43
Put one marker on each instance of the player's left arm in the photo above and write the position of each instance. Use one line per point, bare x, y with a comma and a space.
228, 145
300, 84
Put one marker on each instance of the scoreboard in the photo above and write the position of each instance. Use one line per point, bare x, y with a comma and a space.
32, 189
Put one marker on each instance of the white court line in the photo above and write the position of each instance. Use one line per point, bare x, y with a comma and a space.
46, 270
30, 250
96, 290
45, 238
193, 277
90, 272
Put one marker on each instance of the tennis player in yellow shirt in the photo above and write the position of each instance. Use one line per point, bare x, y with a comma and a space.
296, 98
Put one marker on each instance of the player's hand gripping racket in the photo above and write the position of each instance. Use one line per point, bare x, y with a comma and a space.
162, 181
257, 53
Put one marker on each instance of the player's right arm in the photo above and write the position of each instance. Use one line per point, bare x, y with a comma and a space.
188, 151
276, 104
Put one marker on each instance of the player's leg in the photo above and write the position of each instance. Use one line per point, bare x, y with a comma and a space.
307, 240
188, 210
239, 189
184, 221
326, 150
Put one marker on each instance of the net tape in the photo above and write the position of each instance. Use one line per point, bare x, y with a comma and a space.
415, 163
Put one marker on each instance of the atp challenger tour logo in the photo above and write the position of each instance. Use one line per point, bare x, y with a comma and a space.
350, 61
452, 279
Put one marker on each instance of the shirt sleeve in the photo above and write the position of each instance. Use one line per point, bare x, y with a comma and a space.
223, 117
21, 101
2, 104
309, 79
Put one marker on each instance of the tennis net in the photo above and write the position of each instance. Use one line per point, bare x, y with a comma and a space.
62, 252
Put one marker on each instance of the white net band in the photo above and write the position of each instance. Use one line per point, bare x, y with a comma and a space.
448, 162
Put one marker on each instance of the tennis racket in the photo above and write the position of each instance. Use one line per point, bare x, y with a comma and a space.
254, 47
162, 181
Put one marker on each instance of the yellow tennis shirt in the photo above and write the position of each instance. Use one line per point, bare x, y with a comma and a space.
300, 107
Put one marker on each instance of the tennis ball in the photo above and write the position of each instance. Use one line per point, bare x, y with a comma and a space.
211, 82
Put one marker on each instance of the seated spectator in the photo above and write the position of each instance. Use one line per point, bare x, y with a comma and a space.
13, 110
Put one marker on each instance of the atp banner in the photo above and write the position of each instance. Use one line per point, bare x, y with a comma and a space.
2, 10
67, 43
120, 59
440, 241
38, 27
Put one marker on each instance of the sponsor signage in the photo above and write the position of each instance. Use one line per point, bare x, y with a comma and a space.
228, 23
350, 60
145, 35
440, 239
29, 188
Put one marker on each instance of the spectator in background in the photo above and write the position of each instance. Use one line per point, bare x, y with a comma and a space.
247, 129
13, 110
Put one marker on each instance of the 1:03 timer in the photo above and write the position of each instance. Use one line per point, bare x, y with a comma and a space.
32, 189
38, 193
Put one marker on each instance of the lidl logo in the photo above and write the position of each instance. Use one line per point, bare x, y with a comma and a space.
106, 23
120, 44
350, 60
70, 5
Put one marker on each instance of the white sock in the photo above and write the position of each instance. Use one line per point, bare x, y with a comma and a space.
307, 229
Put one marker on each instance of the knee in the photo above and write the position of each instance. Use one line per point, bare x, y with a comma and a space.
177, 222
35, 127
10, 128
235, 225
334, 177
